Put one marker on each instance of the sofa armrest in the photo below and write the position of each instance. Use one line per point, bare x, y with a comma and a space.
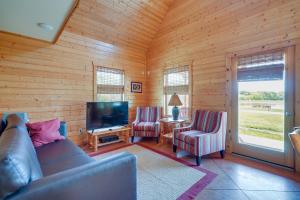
110, 178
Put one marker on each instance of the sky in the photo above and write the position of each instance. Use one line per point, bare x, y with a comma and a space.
262, 86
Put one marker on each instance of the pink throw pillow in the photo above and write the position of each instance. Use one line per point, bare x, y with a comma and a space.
44, 132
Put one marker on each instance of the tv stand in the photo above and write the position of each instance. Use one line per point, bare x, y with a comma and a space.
124, 133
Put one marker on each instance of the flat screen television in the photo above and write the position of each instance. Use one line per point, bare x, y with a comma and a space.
106, 114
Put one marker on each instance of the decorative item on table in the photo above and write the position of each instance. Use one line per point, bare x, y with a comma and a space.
175, 101
136, 87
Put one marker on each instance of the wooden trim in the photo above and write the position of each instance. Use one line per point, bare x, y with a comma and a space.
289, 108
191, 90
94, 81
26, 37
71, 11
297, 96
228, 103
263, 49
124, 85
233, 101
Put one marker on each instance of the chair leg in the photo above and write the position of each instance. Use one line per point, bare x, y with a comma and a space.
198, 160
132, 139
222, 152
174, 148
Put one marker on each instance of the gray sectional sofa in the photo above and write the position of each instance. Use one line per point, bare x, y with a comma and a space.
60, 170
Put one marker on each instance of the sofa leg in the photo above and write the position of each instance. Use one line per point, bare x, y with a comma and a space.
198, 160
132, 139
222, 153
174, 148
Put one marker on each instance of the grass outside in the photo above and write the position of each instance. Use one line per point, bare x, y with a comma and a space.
261, 134
263, 124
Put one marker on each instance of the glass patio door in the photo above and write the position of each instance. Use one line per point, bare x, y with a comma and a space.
263, 108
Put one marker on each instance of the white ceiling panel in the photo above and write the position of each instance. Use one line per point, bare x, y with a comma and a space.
23, 17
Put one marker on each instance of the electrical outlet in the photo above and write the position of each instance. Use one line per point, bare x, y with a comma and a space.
81, 131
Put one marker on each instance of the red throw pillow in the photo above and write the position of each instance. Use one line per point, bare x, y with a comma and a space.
44, 132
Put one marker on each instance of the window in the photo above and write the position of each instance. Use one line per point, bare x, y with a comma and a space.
177, 80
110, 84
260, 82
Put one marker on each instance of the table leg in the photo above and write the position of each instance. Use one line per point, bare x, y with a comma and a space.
95, 143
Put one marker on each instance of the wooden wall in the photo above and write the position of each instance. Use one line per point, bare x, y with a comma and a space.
205, 32
49, 81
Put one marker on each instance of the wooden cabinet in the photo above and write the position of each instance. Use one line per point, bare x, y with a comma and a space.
122, 133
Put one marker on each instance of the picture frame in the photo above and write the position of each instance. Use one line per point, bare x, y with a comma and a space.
136, 87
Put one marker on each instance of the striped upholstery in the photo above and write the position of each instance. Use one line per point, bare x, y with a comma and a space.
207, 121
147, 123
205, 135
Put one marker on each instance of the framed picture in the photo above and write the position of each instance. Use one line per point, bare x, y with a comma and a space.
136, 87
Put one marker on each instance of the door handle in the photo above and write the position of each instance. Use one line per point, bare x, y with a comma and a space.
289, 114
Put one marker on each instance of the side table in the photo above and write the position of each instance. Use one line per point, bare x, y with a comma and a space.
168, 124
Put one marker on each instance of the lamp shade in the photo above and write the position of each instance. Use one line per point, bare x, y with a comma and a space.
175, 101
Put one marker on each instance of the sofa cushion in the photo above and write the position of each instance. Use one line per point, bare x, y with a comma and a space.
44, 132
18, 161
61, 155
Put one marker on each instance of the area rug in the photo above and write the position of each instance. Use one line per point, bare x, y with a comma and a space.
164, 177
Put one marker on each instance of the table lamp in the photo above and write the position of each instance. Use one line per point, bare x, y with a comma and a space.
175, 101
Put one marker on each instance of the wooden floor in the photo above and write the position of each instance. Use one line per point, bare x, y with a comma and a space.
238, 178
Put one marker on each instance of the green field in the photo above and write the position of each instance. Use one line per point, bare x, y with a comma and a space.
265, 124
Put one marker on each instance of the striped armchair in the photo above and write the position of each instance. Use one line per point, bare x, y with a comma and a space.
147, 123
205, 135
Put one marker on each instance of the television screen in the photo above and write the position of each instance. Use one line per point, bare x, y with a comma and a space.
106, 114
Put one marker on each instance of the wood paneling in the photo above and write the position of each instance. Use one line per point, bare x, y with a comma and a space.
297, 95
50, 81
205, 32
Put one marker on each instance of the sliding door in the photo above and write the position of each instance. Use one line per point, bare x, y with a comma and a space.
263, 106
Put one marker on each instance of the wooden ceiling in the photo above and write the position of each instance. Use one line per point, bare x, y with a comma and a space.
130, 23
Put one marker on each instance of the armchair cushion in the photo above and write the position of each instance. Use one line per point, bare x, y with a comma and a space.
144, 126
148, 114
188, 137
207, 121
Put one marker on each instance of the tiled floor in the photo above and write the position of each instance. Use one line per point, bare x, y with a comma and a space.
239, 178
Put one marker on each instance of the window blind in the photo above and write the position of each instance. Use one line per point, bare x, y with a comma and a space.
261, 67
110, 81
176, 80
